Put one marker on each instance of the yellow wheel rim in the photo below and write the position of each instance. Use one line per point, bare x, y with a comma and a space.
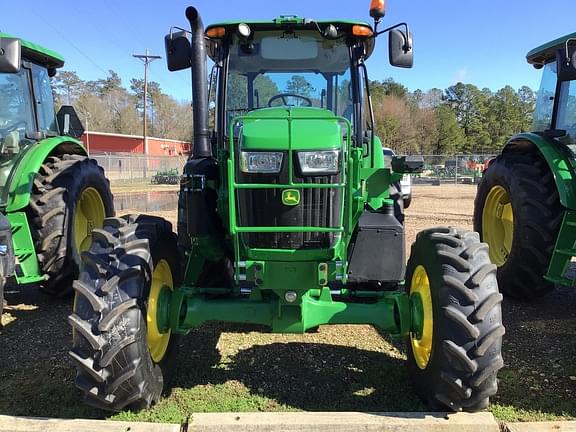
422, 346
498, 224
157, 341
89, 214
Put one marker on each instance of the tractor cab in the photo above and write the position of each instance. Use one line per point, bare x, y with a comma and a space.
555, 113
297, 64
26, 102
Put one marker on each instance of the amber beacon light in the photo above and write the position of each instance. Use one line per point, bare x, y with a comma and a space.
378, 9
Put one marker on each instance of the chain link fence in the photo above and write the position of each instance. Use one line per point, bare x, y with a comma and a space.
135, 168
457, 169
129, 167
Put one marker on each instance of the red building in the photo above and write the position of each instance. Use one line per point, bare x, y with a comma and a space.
102, 142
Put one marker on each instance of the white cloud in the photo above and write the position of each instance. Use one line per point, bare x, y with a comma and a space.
461, 75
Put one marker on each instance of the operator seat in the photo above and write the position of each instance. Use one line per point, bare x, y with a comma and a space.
11, 144
9, 147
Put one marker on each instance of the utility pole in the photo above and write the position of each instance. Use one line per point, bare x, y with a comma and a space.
87, 116
146, 59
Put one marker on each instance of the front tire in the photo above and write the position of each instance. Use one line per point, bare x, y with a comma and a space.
70, 196
123, 359
454, 356
517, 211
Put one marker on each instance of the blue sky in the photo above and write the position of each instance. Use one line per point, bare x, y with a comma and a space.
479, 42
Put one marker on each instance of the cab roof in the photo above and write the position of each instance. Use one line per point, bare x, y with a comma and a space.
547, 52
288, 19
294, 21
38, 53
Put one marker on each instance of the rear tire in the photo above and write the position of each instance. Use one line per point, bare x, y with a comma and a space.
527, 182
119, 364
454, 361
59, 187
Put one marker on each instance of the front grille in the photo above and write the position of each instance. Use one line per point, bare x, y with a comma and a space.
264, 207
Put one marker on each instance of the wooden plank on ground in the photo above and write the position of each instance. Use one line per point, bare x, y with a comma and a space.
343, 421
38, 424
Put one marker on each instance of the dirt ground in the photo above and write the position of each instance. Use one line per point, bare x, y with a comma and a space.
337, 368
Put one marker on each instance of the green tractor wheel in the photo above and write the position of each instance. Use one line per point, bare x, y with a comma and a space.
454, 349
70, 197
517, 211
123, 359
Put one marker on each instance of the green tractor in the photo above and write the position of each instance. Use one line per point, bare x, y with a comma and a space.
525, 207
51, 194
284, 220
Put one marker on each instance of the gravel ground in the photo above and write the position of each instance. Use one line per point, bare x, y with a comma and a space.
238, 368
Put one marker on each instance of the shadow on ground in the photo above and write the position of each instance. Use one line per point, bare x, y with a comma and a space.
301, 375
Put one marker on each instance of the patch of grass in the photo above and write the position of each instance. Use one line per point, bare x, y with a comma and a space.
231, 396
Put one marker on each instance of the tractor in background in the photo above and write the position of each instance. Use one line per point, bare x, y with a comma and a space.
285, 220
525, 206
51, 193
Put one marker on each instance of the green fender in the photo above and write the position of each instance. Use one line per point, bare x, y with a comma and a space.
560, 159
27, 167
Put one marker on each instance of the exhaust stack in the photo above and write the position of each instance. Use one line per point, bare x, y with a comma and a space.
201, 148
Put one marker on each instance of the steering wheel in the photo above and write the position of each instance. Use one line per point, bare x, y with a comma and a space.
12, 127
283, 96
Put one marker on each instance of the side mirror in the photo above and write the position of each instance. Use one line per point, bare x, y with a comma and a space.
566, 61
10, 55
178, 51
69, 123
400, 49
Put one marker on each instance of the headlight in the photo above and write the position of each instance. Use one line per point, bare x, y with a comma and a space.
261, 162
321, 162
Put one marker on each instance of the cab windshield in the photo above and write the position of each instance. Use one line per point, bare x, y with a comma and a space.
16, 113
566, 119
16, 121
297, 68
566, 114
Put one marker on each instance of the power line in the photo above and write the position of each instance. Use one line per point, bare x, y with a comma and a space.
68, 40
146, 59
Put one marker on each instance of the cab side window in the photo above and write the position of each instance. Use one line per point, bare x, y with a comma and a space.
44, 100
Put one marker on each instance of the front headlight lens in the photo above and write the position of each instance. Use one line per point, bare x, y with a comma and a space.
261, 162
319, 162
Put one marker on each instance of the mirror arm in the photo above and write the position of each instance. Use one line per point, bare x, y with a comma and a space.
179, 28
391, 28
567, 53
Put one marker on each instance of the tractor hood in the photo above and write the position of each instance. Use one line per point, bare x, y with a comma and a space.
295, 128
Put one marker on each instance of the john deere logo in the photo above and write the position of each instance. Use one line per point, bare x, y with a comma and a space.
290, 197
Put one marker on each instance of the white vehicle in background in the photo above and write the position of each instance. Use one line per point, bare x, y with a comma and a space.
405, 186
